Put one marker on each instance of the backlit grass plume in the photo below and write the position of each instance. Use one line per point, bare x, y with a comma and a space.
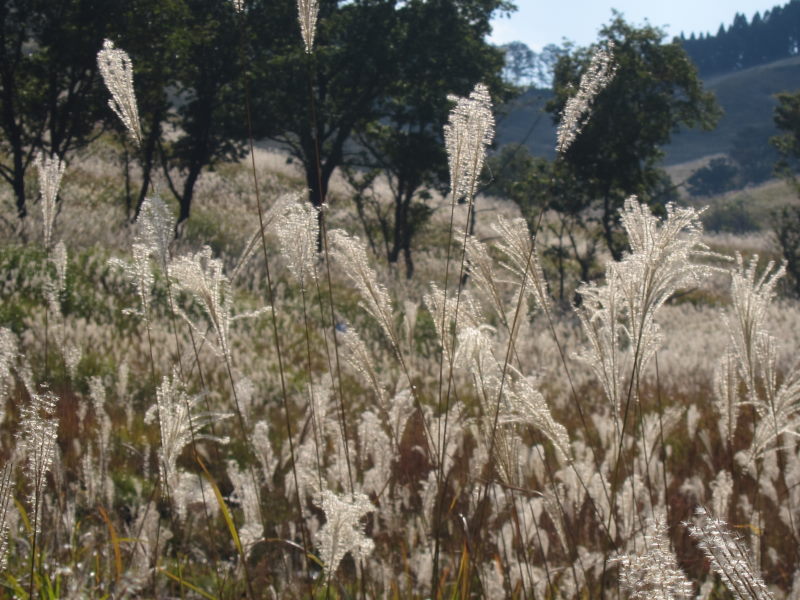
728, 557
467, 134
343, 531
50, 170
307, 11
652, 571
117, 71
578, 108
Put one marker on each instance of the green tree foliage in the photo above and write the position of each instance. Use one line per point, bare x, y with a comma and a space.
524, 67
439, 52
754, 156
655, 91
51, 97
317, 101
210, 117
787, 220
717, 177
151, 34
520, 63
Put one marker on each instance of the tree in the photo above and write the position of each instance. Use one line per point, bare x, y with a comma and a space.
787, 220
210, 118
317, 101
150, 31
51, 96
753, 154
439, 52
655, 91
520, 63
717, 177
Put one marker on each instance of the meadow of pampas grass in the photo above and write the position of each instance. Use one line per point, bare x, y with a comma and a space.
273, 412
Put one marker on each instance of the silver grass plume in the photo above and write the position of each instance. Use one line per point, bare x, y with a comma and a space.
619, 317
252, 530
36, 441
155, 228
753, 357
728, 556
140, 274
307, 11
117, 71
178, 424
6, 485
444, 317
654, 572
50, 170
59, 259
726, 396
467, 134
8, 357
351, 253
751, 296
519, 248
356, 354
342, 531
297, 228
481, 268
203, 278
575, 115
524, 404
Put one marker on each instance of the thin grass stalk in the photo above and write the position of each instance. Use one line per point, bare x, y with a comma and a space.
661, 440
313, 416
443, 440
324, 242
276, 337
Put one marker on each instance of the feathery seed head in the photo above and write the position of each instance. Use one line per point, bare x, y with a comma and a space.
575, 115
117, 71
37, 441
297, 228
342, 532
654, 572
178, 425
50, 170
469, 131
351, 253
307, 11
155, 227
728, 557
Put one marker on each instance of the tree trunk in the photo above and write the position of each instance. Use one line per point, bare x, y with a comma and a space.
188, 192
148, 157
403, 232
19, 185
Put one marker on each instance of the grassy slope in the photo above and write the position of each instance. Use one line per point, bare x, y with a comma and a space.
746, 96
748, 100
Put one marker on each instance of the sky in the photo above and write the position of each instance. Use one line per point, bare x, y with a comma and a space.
542, 22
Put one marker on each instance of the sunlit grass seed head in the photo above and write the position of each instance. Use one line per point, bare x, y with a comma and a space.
307, 11
467, 134
117, 71
50, 170
577, 110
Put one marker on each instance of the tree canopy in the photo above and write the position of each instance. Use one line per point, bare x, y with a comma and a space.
787, 220
655, 91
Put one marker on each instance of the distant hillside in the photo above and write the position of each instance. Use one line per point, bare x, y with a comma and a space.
523, 121
765, 38
747, 97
